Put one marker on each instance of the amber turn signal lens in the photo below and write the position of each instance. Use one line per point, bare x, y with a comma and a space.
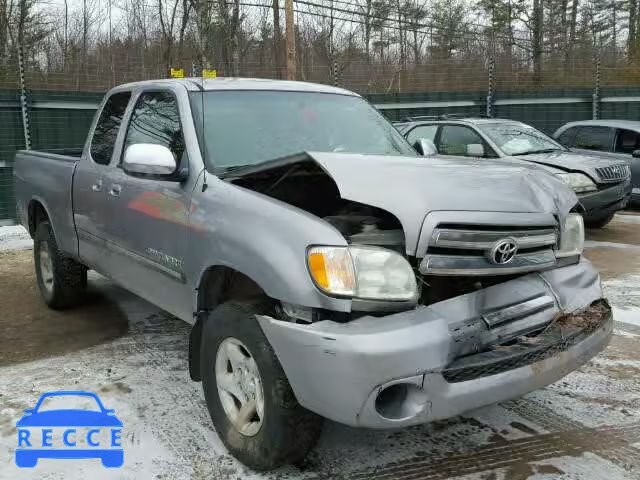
332, 270
318, 269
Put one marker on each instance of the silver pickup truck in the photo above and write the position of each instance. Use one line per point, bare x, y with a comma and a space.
326, 268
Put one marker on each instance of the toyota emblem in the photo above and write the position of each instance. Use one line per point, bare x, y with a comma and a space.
503, 251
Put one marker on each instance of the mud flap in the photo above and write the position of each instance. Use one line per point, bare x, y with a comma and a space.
194, 347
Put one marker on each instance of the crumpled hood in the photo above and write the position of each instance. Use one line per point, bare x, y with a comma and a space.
411, 187
567, 161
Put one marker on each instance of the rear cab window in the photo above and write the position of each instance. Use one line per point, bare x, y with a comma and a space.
107, 127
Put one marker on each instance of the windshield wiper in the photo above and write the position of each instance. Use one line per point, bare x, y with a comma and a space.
542, 150
224, 171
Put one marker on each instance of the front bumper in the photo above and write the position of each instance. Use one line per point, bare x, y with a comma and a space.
338, 370
604, 202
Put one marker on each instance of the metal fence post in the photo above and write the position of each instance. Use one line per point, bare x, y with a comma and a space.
490, 91
23, 101
596, 91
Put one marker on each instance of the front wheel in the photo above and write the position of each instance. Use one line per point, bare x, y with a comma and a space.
248, 396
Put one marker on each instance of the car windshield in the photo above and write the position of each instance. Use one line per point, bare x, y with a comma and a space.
519, 139
69, 402
252, 127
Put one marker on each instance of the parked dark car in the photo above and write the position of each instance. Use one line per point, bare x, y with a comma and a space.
602, 184
620, 139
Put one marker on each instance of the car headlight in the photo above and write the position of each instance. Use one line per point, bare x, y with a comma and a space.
362, 272
578, 182
572, 236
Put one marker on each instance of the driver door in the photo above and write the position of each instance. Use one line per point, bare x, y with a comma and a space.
153, 211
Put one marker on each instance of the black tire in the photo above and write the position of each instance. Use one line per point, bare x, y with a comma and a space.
598, 222
62, 286
288, 430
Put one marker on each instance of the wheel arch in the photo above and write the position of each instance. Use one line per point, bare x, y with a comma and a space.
37, 212
218, 284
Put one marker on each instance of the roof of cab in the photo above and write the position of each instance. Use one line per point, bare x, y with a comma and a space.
233, 83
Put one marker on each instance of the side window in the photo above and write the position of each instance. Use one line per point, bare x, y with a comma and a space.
594, 138
156, 119
567, 137
455, 140
427, 132
627, 141
104, 136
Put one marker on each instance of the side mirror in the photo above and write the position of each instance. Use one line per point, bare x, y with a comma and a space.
148, 159
30, 410
635, 154
425, 147
475, 150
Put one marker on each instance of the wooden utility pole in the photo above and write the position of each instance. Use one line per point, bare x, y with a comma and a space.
291, 40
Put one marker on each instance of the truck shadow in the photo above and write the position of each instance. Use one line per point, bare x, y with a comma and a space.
31, 331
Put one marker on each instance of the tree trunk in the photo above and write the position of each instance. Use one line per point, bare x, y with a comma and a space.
631, 42
277, 39
614, 27
537, 41
367, 30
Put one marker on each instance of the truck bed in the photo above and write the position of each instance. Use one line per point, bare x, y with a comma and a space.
47, 178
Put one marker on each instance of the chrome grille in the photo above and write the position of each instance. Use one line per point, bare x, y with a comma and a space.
614, 173
482, 240
465, 250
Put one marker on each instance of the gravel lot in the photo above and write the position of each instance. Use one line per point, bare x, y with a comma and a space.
135, 357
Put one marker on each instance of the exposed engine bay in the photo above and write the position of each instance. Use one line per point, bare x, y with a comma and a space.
307, 186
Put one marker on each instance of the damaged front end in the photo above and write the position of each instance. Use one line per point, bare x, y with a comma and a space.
504, 303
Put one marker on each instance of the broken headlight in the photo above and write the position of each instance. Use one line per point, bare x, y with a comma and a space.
578, 182
362, 272
572, 236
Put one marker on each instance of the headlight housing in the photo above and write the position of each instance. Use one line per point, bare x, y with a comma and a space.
572, 236
370, 273
578, 182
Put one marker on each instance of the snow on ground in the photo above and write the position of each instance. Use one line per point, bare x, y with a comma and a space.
14, 237
586, 426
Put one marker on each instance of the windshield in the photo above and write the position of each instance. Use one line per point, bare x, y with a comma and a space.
519, 139
251, 127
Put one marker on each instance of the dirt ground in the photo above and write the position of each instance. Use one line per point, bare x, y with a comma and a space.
586, 426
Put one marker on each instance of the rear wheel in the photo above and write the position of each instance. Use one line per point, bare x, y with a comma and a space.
61, 280
248, 396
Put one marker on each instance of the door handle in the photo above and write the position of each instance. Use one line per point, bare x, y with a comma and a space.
97, 187
115, 190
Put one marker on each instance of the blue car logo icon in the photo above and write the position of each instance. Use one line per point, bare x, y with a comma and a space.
36, 432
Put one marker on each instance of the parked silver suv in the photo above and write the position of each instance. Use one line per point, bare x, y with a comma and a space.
617, 139
603, 185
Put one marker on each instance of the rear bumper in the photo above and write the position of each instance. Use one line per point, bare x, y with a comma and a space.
339, 370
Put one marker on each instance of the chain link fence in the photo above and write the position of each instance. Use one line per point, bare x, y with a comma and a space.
59, 102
